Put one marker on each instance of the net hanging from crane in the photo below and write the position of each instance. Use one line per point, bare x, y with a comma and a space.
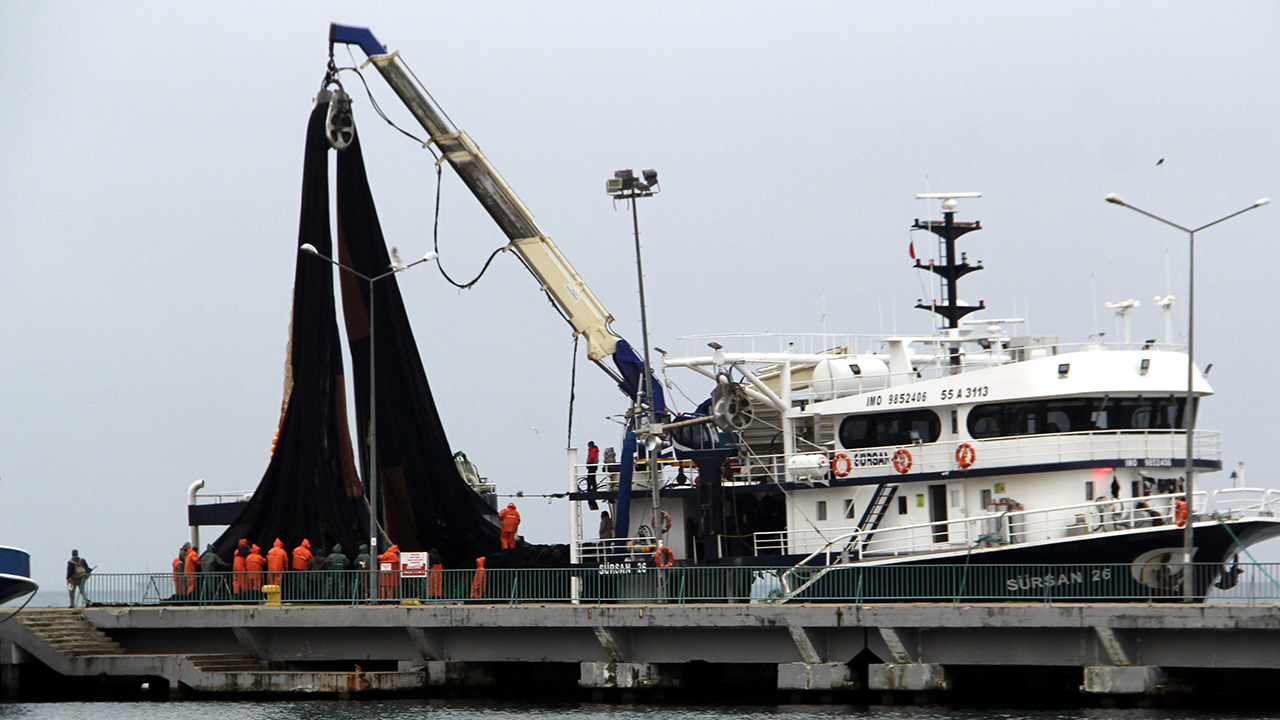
311, 488
426, 502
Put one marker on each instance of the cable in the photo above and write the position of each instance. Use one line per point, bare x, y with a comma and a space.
435, 243
14, 614
424, 90
573, 384
378, 109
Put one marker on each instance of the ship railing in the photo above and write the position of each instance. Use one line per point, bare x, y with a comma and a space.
929, 354
605, 477
855, 343
955, 581
1236, 503
1011, 525
1126, 448
637, 549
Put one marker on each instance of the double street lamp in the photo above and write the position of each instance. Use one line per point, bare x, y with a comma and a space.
1188, 587
372, 440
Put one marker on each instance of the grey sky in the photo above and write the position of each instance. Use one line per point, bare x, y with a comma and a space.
152, 162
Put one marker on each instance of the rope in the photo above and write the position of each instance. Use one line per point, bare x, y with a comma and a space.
573, 383
1243, 548
14, 614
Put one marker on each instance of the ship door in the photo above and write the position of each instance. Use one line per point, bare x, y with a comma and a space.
938, 512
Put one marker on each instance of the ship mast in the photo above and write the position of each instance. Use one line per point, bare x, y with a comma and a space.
950, 271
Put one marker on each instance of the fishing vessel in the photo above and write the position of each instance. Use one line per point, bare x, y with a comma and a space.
972, 445
975, 444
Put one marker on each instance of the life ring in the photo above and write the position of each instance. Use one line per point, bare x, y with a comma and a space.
666, 522
841, 465
902, 460
965, 455
663, 557
1180, 513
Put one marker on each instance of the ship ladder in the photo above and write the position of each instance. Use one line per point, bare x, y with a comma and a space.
872, 516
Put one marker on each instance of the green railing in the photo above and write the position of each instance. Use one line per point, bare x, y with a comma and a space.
1153, 582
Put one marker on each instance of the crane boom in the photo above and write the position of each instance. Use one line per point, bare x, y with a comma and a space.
558, 278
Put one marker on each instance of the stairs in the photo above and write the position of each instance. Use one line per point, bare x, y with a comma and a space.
875, 512
68, 633
226, 663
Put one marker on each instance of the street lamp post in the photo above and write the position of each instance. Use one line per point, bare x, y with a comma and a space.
624, 185
372, 441
1188, 587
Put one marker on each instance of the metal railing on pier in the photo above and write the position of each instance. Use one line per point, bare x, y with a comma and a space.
1159, 580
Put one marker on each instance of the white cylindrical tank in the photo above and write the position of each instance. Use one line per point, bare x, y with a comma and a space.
808, 468
849, 375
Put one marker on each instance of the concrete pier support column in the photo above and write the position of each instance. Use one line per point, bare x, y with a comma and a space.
622, 675
815, 676
914, 677
1123, 680
441, 673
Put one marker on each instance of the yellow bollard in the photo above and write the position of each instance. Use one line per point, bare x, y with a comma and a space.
273, 594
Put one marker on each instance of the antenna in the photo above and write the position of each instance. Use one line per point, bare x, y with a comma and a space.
1122, 311
1166, 302
1093, 280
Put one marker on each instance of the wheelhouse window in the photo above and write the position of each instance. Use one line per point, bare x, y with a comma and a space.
891, 428
1039, 417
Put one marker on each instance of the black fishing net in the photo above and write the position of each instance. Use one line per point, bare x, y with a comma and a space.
426, 502
311, 488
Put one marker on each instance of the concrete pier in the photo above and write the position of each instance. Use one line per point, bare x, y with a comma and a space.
815, 650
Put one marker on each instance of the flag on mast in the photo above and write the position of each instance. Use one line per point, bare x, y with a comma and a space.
912, 249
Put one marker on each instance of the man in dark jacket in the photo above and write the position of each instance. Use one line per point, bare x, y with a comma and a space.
77, 572
212, 583
316, 575
362, 563
338, 579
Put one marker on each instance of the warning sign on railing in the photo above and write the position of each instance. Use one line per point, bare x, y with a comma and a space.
413, 564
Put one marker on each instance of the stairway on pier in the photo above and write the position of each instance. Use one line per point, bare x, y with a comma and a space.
66, 631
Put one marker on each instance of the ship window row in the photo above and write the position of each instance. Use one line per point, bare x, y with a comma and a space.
1081, 414
890, 428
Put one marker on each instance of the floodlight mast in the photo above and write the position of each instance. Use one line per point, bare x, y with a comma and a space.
557, 277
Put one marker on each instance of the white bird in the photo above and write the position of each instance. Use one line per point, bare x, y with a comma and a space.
396, 262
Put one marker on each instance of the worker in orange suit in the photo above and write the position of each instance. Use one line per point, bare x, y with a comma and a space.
277, 559
190, 565
435, 576
297, 581
389, 582
302, 555
510, 524
238, 567
254, 563
480, 580
178, 564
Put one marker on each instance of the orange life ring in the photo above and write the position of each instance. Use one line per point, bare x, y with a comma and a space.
836, 465
1180, 513
666, 522
663, 557
965, 455
902, 460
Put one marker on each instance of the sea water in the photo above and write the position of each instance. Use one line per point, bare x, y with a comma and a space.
474, 710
